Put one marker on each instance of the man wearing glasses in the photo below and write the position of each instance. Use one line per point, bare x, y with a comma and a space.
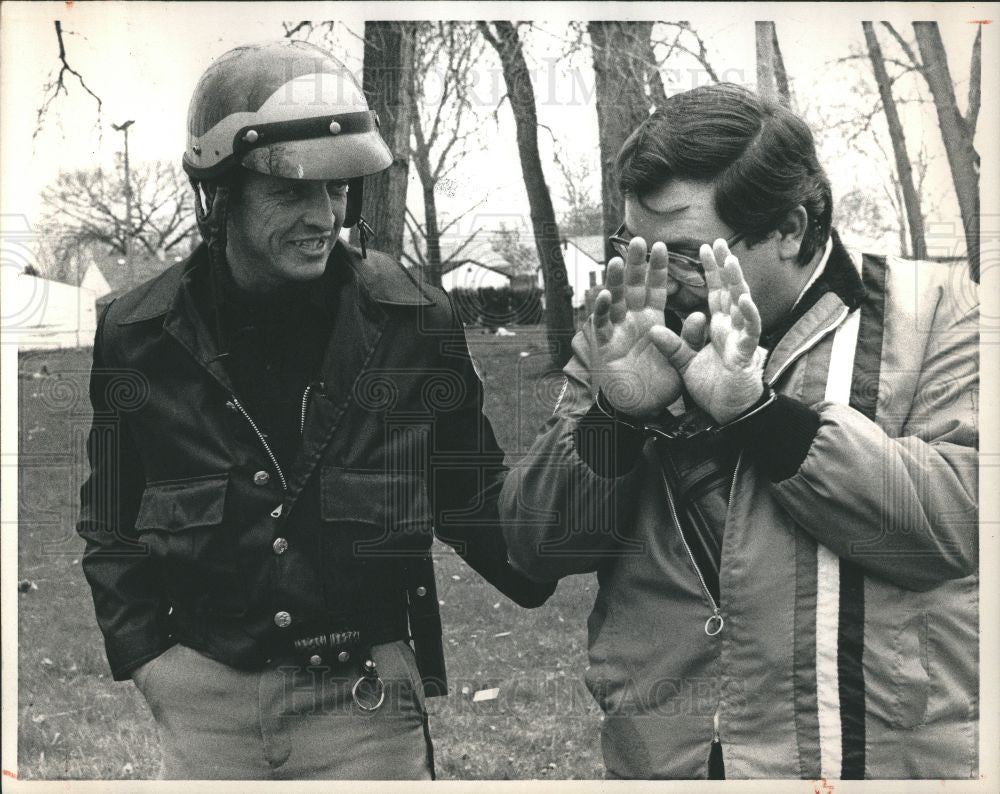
766, 448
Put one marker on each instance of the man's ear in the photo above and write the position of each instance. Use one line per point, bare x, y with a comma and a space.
790, 233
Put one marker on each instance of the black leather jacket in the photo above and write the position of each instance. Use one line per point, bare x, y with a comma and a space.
195, 532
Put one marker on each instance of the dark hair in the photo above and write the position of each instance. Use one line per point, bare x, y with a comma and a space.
758, 153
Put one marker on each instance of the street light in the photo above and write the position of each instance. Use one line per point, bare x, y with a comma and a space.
123, 128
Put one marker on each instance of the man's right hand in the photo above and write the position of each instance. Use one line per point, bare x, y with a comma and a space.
635, 377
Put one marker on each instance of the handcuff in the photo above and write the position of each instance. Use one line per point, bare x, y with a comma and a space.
369, 674
692, 424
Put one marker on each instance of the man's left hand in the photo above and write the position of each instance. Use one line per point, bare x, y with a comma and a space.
723, 374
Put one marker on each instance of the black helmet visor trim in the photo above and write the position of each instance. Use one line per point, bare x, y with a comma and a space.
276, 132
257, 135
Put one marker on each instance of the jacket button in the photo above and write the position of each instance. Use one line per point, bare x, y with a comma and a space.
343, 656
261, 478
280, 545
315, 660
282, 619
421, 591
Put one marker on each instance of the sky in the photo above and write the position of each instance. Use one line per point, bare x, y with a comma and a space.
144, 58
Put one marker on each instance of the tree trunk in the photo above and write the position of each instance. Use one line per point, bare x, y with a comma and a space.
622, 66
432, 237
772, 80
911, 199
559, 322
956, 131
387, 74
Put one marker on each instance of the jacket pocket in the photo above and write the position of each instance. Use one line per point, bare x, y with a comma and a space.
390, 513
179, 521
899, 695
177, 505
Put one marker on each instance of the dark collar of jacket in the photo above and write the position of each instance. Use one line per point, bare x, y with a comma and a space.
380, 281
840, 277
182, 298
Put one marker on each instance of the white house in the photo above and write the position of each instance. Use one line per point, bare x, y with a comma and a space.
584, 258
473, 275
481, 266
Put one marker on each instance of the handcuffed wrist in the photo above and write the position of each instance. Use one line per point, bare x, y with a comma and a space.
778, 431
607, 440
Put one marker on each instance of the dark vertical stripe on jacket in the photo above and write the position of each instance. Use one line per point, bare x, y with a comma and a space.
865, 383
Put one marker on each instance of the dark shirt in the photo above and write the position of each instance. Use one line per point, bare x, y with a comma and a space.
275, 343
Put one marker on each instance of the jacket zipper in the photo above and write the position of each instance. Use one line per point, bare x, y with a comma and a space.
263, 441
716, 737
732, 488
715, 621
305, 406
716, 734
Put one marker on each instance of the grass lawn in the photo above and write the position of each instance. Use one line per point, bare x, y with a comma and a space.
74, 722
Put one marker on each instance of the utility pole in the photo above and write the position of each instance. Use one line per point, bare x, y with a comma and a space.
123, 128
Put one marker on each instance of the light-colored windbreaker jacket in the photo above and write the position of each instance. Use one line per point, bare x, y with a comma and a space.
849, 591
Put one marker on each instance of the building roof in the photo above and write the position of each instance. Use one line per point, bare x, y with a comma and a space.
477, 252
591, 244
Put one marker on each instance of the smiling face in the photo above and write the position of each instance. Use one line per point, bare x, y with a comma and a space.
282, 230
682, 215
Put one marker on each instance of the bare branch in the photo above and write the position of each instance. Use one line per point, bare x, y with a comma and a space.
58, 85
975, 83
291, 30
702, 55
904, 45
450, 259
461, 215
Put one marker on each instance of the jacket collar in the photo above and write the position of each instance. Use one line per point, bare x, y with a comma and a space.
379, 280
184, 297
834, 295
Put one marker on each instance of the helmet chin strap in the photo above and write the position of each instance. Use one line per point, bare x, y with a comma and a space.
364, 232
211, 218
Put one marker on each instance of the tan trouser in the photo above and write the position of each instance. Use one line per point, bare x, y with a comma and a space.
286, 722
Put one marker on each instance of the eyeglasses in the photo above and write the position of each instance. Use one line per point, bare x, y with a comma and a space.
684, 265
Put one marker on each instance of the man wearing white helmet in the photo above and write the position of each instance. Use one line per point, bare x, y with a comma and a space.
280, 423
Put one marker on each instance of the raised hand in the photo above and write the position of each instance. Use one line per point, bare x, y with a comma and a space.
634, 375
724, 375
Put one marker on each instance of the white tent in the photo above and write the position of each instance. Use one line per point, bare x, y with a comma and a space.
48, 314
93, 279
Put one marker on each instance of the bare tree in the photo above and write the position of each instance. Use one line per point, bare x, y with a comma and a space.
897, 136
503, 37
456, 255
387, 81
522, 258
623, 65
584, 213
85, 212
958, 131
772, 79
444, 130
